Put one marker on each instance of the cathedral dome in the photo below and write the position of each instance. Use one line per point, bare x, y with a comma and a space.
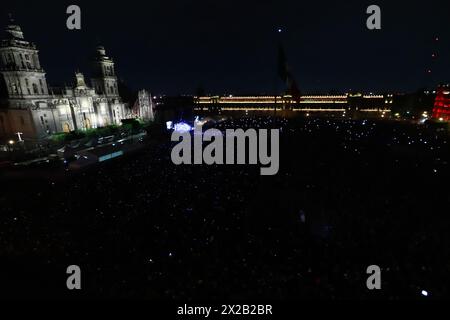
101, 51
13, 31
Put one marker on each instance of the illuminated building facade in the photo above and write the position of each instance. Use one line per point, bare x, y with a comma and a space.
28, 105
441, 109
143, 108
307, 103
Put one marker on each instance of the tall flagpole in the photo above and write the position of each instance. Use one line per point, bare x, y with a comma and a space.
278, 44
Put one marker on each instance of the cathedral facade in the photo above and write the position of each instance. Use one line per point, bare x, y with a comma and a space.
30, 107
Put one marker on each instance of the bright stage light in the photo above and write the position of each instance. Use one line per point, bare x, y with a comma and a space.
182, 127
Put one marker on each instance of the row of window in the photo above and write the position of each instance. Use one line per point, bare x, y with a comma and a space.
25, 60
112, 89
108, 70
15, 87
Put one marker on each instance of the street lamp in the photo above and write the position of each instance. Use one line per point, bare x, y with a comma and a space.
10, 145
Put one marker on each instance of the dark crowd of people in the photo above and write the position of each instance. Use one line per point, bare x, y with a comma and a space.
349, 194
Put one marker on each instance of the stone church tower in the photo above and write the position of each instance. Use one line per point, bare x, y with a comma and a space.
104, 78
22, 73
24, 92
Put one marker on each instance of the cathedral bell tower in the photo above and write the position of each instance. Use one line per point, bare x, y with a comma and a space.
104, 78
20, 68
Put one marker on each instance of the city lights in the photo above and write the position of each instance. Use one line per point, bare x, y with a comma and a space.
182, 127
211, 155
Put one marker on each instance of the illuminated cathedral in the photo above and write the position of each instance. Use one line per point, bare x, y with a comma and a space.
29, 106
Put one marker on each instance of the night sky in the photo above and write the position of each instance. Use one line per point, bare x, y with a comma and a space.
174, 47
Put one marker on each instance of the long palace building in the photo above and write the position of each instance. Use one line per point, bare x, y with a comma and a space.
307, 103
